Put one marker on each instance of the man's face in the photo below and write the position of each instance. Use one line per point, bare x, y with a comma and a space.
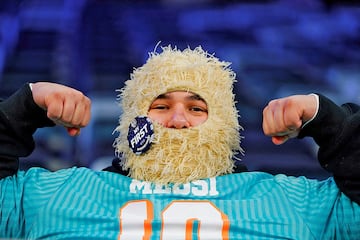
178, 109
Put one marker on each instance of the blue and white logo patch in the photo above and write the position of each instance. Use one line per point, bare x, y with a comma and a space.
140, 135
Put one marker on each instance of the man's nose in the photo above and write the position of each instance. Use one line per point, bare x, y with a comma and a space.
178, 119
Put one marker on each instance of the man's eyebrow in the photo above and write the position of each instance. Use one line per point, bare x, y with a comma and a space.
193, 96
162, 96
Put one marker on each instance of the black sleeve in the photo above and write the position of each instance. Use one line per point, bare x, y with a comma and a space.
336, 129
19, 119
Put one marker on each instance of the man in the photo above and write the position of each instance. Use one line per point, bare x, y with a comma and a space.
179, 136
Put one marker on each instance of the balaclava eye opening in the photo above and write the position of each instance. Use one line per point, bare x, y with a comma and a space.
180, 156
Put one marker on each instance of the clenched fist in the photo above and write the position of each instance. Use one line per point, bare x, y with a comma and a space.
64, 105
284, 117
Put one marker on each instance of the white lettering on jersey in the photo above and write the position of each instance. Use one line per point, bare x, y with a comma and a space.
205, 187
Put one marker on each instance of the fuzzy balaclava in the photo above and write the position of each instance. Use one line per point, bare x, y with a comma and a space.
181, 155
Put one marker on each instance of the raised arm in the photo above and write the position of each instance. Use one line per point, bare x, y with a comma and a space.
27, 110
336, 129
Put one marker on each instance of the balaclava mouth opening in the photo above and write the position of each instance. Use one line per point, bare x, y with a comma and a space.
181, 155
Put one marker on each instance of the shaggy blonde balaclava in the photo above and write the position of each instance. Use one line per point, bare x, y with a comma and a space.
181, 155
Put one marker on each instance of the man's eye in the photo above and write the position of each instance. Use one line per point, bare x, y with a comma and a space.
160, 107
198, 109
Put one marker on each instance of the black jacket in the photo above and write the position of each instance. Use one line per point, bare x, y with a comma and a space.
337, 132
19, 119
335, 129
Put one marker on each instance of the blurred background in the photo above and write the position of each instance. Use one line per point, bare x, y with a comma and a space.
277, 48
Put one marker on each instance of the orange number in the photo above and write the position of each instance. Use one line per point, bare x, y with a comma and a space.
178, 220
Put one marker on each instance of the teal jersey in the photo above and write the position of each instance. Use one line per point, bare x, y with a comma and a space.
79, 203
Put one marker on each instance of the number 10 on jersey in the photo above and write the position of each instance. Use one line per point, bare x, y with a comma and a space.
179, 220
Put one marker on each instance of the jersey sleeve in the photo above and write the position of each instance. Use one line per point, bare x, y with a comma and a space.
24, 195
327, 211
12, 221
336, 129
